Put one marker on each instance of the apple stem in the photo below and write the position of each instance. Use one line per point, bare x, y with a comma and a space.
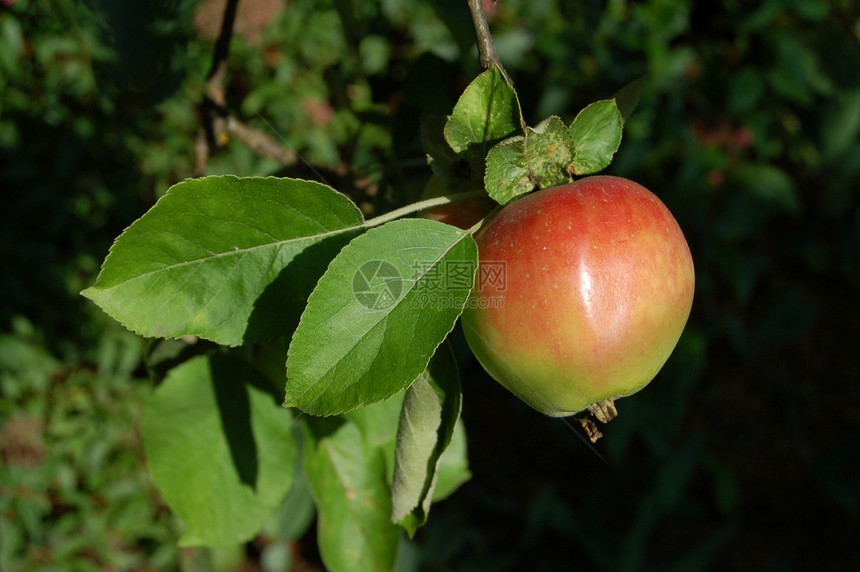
602, 411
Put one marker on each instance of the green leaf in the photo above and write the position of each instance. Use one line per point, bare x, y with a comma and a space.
596, 133
430, 412
453, 469
227, 259
547, 153
219, 449
487, 112
507, 175
377, 315
539, 158
378, 424
296, 512
353, 500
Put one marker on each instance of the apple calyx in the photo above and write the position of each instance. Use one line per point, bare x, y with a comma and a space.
603, 411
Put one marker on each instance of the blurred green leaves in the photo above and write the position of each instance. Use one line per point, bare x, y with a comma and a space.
73, 488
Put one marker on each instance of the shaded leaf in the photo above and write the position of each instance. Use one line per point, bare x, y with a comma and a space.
378, 424
232, 462
770, 184
627, 98
596, 133
377, 315
430, 412
354, 531
228, 259
455, 171
453, 469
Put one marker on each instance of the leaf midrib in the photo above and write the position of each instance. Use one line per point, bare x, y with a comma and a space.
383, 317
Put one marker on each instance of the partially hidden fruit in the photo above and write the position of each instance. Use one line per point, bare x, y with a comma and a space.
463, 214
582, 293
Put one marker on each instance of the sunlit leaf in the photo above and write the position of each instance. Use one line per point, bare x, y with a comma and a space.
547, 153
507, 175
487, 112
538, 159
228, 259
378, 314
596, 133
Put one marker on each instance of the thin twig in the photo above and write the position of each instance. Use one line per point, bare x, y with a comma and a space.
261, 143
486, 48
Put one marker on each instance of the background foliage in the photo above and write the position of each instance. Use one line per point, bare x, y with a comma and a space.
748, 128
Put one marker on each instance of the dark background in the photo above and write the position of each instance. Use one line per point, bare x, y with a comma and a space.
743, 454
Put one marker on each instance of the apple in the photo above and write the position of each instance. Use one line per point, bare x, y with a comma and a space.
582, 293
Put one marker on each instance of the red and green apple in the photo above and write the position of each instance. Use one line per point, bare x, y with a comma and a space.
582, 293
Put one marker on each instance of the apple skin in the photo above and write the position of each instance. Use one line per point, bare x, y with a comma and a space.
598, 287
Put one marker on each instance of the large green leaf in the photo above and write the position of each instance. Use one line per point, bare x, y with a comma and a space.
430, 412
378, 424
219, 448
596, 133
347, 479
377, 315
228, 259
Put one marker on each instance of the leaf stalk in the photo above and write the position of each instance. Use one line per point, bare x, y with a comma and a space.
422, 205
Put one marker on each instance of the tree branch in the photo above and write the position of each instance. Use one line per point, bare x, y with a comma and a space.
486, 48
261, 143
215, 79
217, 123
213, 132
